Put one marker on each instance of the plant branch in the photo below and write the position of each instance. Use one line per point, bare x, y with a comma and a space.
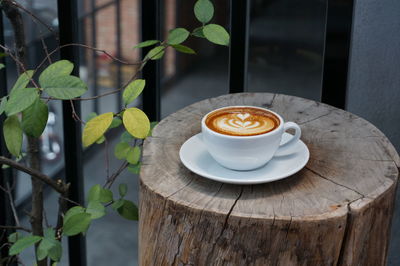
90, 48
112, 178
58, 186
20, 65
12, 204
50, 29
5, 227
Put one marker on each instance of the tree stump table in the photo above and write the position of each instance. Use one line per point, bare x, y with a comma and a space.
335, 211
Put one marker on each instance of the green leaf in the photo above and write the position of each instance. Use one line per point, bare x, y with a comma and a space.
198, 32
90, 116
216, 34
34, 119
97, 193
177, 36
133, 155
116, 122
121, 150
101, 140
49, 233
49, 246
2, 66
23, 243
76, 224
22, 81
43, 249
117, 204
134, 168
13, 135
204, 11
72, 211
133, 90
129, 210
106, 196
126, 137
65, 87
136, 122
156, 53
95, 128
122, 188
59, 68
3, 104
12, 238
146, 43
152, 125
96, 209
20, 99
183, 49
55, 251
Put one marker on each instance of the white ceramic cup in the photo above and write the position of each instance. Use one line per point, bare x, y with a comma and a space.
248, 152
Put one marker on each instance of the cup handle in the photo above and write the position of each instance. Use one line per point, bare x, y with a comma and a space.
283, 148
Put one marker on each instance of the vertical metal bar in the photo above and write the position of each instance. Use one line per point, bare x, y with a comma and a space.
239, 47
339, 19
119, 48
151, 14
5, 175
68, 27
94, 55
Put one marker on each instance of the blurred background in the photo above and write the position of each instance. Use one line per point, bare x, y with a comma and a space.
286, 46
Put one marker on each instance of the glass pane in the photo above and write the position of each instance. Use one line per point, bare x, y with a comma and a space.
191, 78
286, 45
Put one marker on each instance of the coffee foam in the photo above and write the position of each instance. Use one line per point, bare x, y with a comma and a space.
242, 121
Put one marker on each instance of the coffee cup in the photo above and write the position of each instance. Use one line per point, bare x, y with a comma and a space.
246, 137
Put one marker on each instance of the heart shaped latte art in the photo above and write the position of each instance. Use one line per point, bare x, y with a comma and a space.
243, 116
244, 122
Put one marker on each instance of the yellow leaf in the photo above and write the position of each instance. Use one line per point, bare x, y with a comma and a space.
136, 123
95, 128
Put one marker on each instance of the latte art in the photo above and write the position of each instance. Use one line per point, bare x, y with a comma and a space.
245, 121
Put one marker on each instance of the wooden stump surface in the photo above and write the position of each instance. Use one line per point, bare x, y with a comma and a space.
336, 211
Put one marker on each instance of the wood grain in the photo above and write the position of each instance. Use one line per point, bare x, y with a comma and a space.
336, 211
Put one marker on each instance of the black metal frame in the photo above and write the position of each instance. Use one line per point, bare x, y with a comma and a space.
239, 48
151, 30
335, 65
68, 28
5, 176
336, 52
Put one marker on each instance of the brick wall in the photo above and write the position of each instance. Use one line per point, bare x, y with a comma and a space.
106, 37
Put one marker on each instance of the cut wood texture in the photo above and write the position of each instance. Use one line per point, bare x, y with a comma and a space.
336, 211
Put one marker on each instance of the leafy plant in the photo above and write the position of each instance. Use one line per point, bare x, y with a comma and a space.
26, 110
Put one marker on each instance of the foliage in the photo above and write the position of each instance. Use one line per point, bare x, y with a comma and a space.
26, 109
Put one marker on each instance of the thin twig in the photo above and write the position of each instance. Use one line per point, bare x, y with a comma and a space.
46, 222
12, 204
107, 158
58, 186
116, 90
111, 180
69, 200
90, 48
19, 63
75, 116
5, 227
50, 29
45, 50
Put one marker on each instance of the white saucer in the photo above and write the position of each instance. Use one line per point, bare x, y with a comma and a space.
196, 158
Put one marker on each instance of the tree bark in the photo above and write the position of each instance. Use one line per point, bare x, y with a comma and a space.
335, 211
36, 220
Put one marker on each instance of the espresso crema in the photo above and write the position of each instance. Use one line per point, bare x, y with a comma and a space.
242, 121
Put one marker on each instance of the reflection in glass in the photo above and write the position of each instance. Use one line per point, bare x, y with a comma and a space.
286, 45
